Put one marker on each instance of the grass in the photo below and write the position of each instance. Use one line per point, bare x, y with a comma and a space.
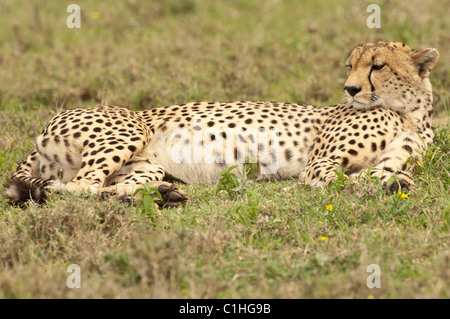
276, 239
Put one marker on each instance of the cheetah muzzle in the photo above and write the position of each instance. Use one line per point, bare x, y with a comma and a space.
112, 150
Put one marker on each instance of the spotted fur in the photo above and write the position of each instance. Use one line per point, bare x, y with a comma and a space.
112, 150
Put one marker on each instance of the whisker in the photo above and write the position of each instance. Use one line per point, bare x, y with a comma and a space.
378, 100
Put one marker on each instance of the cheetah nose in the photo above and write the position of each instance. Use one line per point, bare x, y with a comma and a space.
352, 90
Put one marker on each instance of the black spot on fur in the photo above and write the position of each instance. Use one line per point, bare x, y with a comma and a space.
407, 148
132, 148
344, 161
44, 142
374, 147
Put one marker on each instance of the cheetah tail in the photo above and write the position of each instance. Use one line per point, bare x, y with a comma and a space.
24, 185
19, 190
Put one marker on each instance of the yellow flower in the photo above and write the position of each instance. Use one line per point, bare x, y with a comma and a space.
370, 297
223, 244
255, 68
96, 15
320, 222
385, 198
403, 196
329, 207
324, 238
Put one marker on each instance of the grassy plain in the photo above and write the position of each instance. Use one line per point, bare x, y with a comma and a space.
279, 239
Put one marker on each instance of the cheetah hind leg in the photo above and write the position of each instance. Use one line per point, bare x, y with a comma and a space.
171, 195
137, 171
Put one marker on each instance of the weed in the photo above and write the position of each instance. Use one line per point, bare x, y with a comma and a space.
237, 186
341, 182
146, 204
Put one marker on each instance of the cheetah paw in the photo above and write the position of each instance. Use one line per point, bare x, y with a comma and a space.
171, 195
400, 185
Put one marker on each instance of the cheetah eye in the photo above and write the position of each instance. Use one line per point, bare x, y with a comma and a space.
349, 66
378, 67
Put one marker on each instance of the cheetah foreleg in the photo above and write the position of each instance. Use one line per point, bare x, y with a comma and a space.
319, 173
393, 167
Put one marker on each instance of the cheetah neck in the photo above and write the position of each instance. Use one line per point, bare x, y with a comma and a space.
420, 118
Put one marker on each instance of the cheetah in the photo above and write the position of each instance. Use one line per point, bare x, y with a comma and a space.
112, 150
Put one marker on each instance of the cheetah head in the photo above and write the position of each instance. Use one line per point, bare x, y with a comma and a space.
390, 75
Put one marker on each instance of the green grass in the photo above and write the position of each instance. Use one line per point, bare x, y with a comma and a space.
273, 239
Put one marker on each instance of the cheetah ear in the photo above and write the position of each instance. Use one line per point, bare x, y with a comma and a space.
426, 60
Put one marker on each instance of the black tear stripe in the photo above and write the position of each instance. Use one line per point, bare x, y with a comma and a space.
372, 88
